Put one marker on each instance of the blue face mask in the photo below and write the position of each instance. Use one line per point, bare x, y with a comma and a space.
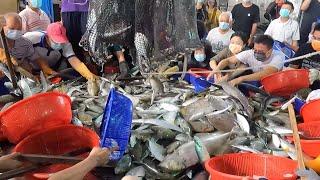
224, 25
284, 13
35, 3
14, 34
55, 46
200, 57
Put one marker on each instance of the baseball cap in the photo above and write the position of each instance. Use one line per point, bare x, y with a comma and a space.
57, 33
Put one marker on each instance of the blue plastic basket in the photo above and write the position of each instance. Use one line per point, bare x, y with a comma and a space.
116, 123
298, 103
200, 84
286, 50
3, 89
245, 90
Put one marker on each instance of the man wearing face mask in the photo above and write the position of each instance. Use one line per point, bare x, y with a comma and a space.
273, 10
33, 18
285, 29
312, 63
262, 59
20, 48
54, 47
246, 17
219, 37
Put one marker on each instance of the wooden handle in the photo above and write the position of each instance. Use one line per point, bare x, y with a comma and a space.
296, 138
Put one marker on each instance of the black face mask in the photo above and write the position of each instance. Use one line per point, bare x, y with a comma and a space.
260, 56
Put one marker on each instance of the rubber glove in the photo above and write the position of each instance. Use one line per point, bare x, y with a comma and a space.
314, 95
309, 174
85, 72
3, 58
313, 75
171, 70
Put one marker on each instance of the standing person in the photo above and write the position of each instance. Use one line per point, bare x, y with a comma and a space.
202, 14
74, 18
213, 15
285, 29
219, 37
311, 63
273, 10
33, 18
246, 17
311, 10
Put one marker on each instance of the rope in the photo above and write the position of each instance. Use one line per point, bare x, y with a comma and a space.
239, 69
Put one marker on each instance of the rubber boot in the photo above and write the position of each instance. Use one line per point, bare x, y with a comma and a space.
123, 66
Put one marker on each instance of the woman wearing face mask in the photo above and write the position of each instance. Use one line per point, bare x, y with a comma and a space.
238, 43
213, 14
285, 29
311, 63
200, 58
219, 37
33, 18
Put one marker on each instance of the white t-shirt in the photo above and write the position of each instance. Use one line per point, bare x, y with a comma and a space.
275, 60
284, 32
52, 57
219, 41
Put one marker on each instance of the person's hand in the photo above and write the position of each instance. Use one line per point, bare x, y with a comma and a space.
8, 162
213, 73
309, 174
93, 86
250, 41
101, 155
313, 75
236, 81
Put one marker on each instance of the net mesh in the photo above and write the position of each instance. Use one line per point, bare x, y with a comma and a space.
156, 29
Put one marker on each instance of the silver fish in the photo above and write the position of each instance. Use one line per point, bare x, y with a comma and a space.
44, 82
186, 156
157, 151
138, 171
157, 122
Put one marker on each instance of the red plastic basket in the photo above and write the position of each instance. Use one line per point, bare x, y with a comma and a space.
311, 111
311, 129
194, 72
36, 113
285, 83
240, 165
57, 141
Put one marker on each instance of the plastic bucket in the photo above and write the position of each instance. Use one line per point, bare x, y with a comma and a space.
285, 83
311, 111
116, 123
240, 165
41, 111
57, 141
311, 129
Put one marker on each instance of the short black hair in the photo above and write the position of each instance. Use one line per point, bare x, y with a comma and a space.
317, 27
289, 3
241, 35
265, 40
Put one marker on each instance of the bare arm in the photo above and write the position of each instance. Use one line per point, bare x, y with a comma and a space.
222, 64
255, 76
295, 45
305, 5
44, 66
253, 32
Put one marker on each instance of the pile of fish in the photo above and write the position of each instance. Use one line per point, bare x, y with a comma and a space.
170, 122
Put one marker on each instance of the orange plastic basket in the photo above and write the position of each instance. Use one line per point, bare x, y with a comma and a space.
311, 111
36, 113
240, 165
57, 141
311, 129
285, 83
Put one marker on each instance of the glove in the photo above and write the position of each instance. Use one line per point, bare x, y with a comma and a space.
171, 70
309, 174
313, 75
314, 95
85, 72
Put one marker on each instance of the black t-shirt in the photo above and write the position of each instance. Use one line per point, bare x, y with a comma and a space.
308, 63
309, 16
245, 17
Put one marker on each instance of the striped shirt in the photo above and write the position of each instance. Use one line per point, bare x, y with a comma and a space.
34, 21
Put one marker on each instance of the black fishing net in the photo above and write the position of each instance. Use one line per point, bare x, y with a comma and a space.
156, 29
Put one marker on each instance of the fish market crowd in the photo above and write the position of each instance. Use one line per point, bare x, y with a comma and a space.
210, 110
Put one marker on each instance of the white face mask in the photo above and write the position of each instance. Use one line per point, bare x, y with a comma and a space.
246, 1
14, 34
55, 46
